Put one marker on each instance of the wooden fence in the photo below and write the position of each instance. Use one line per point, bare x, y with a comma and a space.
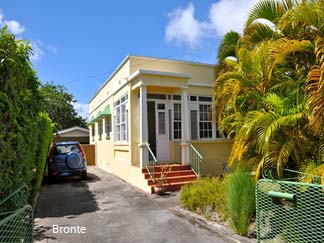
89, 149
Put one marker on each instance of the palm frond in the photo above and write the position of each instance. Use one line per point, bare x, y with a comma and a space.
280, 49
266, 9
258, 32
315, 88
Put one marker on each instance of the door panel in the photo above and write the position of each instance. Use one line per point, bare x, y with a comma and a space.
162, 132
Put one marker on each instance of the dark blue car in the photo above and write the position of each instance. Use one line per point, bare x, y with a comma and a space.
67, 159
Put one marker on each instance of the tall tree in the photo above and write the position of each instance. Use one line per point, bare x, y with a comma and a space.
271, 98
59, 105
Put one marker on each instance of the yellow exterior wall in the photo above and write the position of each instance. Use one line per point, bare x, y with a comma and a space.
117, 81
215, 154
201, 73
122, 159
175, 151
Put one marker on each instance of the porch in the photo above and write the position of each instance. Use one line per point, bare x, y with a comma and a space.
168, 116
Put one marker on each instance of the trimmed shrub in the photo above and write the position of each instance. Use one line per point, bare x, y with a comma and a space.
24, 133
44, 142
241, 200
206, 193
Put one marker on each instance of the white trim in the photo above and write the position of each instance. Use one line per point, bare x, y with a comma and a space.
174, 60
110, 77
160, 73
73, 129
143, 126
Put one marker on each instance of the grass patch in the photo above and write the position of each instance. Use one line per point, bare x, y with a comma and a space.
206, 195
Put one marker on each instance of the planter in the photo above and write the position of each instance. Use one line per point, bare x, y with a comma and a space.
160, 190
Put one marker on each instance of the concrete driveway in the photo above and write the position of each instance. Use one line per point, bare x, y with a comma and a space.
110, 210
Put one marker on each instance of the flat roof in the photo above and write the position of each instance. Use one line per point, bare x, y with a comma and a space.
146, 57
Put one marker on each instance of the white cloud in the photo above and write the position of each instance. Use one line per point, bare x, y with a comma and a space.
227, 15
37, 52
39, 49
82, 109
184, 28
223, 16
13, 25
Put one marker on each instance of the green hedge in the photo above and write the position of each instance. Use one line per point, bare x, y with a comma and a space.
25, 130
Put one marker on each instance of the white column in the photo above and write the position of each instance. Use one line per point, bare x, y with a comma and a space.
185, 127
143, 126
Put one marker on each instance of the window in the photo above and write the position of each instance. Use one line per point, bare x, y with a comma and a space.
205, 121
177, 121
121, 119
161, 122
176, 97
194, 125
157, 96
205, 99
93, 131
100, 129
108, 126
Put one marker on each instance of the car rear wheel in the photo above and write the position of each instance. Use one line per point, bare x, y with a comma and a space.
74, 160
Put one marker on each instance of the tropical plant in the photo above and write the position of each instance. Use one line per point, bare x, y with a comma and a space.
241, 200
271, 98
206, 193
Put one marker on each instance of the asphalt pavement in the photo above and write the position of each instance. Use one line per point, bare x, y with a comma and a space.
104, 208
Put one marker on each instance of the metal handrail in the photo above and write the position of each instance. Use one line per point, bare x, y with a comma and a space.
152, 175
195, 159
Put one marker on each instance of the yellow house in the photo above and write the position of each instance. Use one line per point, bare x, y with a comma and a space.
154, 111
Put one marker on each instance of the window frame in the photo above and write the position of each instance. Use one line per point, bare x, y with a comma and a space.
196, 101
121, 119
108, 126
179, 121
100, 129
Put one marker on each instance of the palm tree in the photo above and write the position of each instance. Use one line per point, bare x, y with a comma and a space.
272, 97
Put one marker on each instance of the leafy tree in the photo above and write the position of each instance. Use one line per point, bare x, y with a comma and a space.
271, 98
59, 105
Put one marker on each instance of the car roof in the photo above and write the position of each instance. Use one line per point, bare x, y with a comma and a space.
67, 143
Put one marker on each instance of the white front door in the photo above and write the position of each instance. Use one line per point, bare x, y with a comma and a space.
162, 132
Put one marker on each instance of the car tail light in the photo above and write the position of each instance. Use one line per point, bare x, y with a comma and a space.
83, 153
51, 155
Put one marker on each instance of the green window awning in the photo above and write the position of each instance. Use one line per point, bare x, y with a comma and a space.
105, 112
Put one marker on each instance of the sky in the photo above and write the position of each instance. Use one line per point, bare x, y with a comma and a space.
79, 43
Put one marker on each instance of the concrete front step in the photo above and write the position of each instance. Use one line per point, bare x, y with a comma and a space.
176, 179
171, 173
172, 168
173, 187
176, 176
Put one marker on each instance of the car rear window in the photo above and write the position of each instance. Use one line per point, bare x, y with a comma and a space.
65, 149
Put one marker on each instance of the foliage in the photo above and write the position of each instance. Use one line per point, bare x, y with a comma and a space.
59, 105
271, 99
228, 46
241, 200
205, 192
21, 128
44, 141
